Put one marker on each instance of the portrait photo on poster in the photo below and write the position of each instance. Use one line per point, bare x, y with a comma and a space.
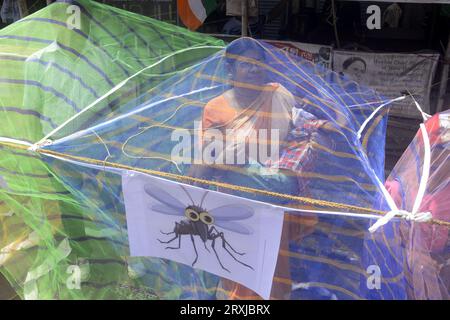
229, 236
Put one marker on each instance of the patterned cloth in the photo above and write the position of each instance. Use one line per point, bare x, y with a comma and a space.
298, 154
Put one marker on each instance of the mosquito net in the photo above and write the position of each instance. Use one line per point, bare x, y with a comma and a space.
426, 245
140, 160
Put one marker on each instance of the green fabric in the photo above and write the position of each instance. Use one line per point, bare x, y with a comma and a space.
210, 5
50, 73
445, 10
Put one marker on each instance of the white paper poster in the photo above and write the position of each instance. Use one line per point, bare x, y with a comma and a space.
231, 237
234, 8
391, 74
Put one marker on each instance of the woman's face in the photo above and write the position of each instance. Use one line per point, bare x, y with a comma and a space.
356, 70
249, 72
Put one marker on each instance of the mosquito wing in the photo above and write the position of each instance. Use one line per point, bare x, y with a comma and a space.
232, 212
234, 226
161, 208
168, 203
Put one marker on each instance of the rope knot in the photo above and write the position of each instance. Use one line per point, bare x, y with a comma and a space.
40, 144
408, 216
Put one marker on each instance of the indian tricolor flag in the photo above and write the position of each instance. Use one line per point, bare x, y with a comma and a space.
194, 12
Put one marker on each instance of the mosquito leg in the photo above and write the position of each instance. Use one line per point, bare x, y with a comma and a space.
224, 243
213, 243
175, 230
220, 234
206, 247
179, 243
195, 249
229, 245
169, 241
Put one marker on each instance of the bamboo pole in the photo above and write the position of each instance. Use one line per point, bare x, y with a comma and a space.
23, 8
244, 18
444, 78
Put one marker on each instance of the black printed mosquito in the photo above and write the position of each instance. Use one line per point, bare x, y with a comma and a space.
200, 222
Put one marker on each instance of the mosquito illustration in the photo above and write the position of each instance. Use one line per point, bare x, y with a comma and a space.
201, 222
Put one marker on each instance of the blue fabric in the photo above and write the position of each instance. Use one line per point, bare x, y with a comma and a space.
334, 253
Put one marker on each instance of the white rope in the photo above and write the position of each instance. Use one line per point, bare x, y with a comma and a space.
129, 114
366, 122
425, 116
40, 144
21, 142
414, 215
425, 170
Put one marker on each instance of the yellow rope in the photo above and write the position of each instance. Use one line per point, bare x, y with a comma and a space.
214, 183
202, 181
305, 200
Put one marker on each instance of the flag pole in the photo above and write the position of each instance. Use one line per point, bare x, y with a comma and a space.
244, 18
23, 8
444, 77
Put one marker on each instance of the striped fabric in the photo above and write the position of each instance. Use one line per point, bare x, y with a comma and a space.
321, 257
48, 74
67, 210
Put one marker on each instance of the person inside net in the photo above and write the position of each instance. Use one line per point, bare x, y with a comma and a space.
253, 104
